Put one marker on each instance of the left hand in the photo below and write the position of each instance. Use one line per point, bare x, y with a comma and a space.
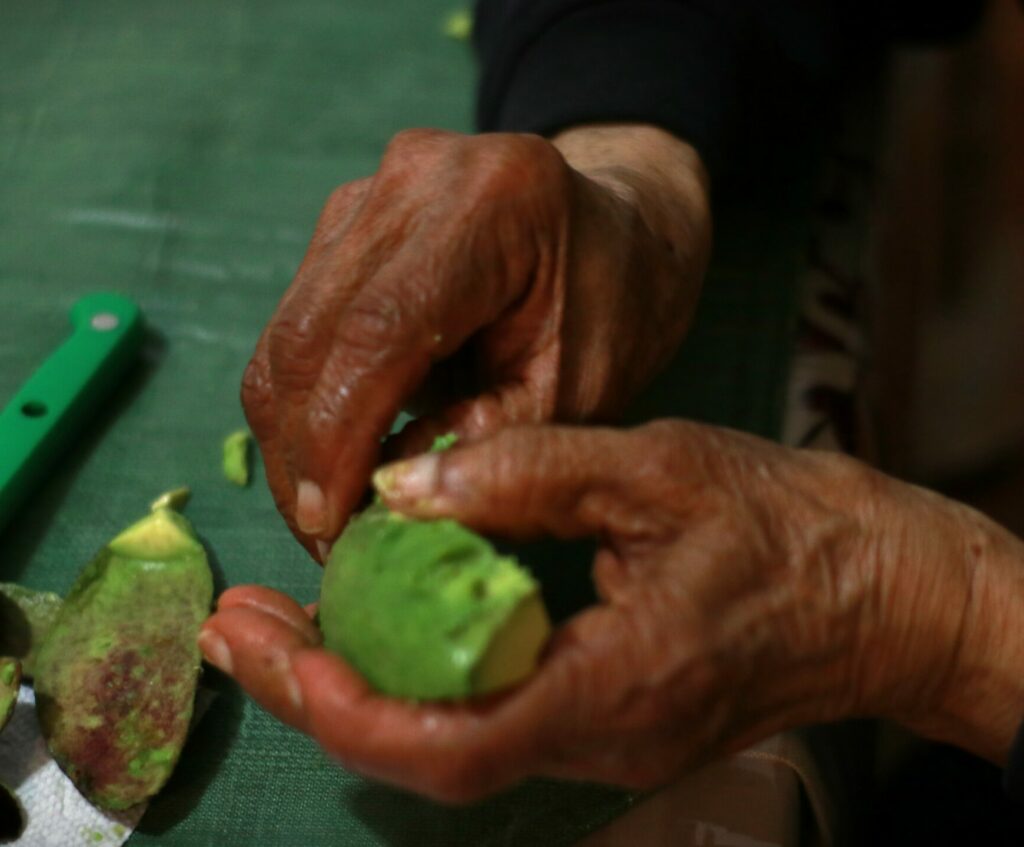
745, 588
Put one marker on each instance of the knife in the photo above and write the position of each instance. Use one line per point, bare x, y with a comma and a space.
50, 409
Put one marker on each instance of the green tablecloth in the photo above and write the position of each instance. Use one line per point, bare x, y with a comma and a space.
179, 152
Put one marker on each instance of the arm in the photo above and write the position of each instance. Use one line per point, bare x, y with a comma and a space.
713, 72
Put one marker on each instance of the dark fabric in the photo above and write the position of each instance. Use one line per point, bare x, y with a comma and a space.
942, 797
1013, 775
721, 74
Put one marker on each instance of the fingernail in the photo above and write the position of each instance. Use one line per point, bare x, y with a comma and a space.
282, 664
216, 650
323, 550
292, 689
310, 508
413, 479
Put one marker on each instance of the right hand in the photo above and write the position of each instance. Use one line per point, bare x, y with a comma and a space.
564, 291
744, 588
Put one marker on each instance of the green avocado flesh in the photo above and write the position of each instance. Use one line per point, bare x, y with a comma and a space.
236, 457
27, 616
10, 681
428, 610
116, 677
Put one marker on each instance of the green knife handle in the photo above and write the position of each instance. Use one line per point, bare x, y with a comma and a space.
58, 398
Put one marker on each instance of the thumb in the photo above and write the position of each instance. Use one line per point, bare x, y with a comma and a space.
525, 482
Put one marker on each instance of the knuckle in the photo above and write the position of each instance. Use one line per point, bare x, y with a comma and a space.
516, 164
296, 343
338, 206
257, 395
409, 147
415, 137
256, 385
382, 323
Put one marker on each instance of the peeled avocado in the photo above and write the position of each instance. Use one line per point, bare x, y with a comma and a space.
116, 676
428, 610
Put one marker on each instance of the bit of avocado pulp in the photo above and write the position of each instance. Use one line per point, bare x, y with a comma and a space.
27, 616
116, 676
236, 457
176, 499
428, 610
10, 681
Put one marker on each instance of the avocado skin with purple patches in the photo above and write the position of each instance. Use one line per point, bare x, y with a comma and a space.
116, 676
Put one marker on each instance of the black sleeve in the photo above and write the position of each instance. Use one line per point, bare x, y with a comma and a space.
694, 67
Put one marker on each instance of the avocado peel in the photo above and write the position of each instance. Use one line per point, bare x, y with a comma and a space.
27, 616
10, 681
117, 674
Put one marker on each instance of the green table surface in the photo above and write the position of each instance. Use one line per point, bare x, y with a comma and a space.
179, 152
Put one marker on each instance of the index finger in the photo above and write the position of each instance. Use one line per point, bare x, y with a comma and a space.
454, 752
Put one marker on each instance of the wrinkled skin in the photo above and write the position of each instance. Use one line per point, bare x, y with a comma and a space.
745, 588
481, 281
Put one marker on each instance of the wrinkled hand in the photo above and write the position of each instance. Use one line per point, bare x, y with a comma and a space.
483, 280
745, 588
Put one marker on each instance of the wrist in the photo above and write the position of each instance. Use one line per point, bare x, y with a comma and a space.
981, 704
658, 174
944, 654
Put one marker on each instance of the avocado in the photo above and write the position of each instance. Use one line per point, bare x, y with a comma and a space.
235, 465
27, 616
116, 676
10, 681
428, 610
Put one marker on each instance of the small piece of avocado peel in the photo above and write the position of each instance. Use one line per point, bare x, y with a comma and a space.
458, 25
10, 681
236, 457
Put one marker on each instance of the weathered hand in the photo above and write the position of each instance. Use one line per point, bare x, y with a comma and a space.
484, 280
745, 588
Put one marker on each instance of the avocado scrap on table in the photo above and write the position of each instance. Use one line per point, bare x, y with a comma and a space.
27, 616
428, 610
116, 676
237, 450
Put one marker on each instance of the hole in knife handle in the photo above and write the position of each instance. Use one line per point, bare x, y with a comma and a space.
33, 409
